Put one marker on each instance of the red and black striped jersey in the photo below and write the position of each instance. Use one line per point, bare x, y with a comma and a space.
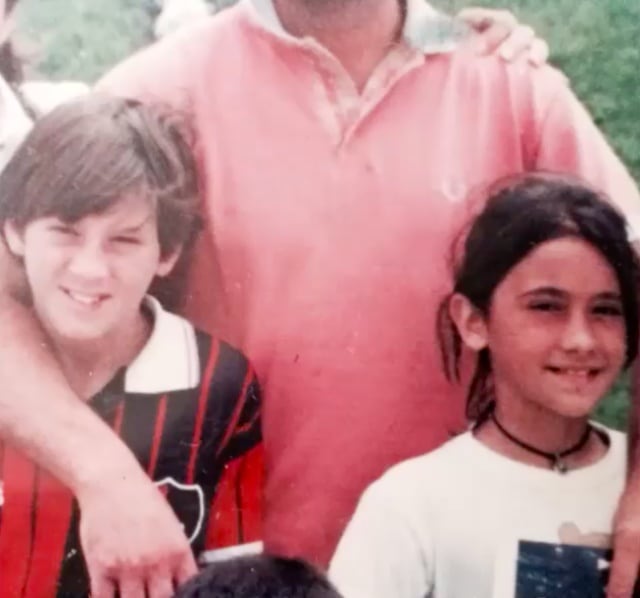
188, 407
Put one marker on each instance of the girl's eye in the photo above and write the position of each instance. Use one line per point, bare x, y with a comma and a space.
545, 306
610, 310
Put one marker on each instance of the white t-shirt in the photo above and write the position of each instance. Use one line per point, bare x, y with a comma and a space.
444, 524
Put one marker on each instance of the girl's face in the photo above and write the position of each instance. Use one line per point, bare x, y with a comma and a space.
555, 329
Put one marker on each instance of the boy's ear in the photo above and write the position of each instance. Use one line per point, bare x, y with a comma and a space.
14, 238
168, 262
470, 322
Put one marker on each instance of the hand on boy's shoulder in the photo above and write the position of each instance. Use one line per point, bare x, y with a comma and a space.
132, 540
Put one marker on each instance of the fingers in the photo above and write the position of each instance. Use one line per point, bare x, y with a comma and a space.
160, 586
523, 43
480, 19
624, 569
498, 31
132, 586
102, 587
539, 52
186, 569
517, 43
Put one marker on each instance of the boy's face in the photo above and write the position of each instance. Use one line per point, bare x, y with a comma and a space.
87, 279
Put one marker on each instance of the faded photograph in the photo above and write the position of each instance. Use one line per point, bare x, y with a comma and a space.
319, 298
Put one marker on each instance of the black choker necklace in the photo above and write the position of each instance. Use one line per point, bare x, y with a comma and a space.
556, 459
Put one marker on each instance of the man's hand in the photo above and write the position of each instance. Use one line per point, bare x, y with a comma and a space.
499, 31
626, 543
132, 540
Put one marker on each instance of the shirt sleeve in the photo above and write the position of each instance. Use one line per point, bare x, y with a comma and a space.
569, 141
380, 554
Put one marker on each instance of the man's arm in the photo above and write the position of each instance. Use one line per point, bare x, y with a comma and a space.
129, 534
626, 564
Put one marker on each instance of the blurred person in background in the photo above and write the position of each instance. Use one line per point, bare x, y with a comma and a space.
22, 101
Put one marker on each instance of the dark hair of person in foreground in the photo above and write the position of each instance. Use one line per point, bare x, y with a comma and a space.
258, 576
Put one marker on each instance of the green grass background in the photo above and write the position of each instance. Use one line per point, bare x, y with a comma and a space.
596, 42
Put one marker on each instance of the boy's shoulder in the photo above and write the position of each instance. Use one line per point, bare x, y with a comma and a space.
179, 357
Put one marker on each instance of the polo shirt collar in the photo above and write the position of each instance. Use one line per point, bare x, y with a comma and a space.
425, 29
169, 360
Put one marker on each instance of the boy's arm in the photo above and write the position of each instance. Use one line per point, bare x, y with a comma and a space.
570, 142
128, 531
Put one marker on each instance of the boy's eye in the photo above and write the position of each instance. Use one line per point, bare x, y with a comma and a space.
126, 240
63, 229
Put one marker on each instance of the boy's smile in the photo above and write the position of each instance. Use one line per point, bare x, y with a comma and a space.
89, 300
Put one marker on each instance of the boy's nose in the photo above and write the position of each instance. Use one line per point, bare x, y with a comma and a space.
89, 262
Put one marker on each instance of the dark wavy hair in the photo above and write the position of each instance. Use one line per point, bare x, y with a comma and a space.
522, 212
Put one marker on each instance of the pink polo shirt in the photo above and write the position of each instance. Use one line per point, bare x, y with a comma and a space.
330, 217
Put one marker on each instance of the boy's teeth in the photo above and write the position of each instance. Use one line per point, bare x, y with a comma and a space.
86, 299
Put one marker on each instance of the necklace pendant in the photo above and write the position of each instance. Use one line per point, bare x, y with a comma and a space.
559, 465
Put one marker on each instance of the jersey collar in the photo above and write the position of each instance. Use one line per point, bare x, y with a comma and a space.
169, 360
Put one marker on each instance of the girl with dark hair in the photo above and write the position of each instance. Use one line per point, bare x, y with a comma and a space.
542, 318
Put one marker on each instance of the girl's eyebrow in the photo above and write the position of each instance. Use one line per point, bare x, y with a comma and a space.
551, 291
558, 293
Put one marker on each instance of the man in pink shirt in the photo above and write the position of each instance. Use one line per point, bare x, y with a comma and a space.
338, 142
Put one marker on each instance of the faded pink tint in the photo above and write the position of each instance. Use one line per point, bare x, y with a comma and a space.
330, 219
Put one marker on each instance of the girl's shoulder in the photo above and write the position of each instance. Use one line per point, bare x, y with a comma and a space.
450, 463
618, 441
